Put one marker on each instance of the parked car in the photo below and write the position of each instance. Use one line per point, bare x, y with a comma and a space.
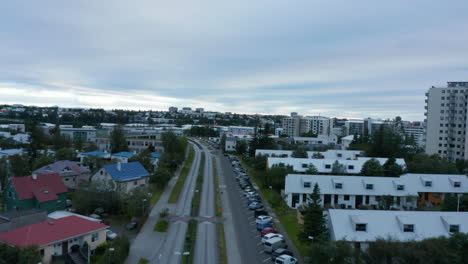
131, 225
285, 259
255, 205
263, 219
273, 244
279, 252
110, 235
260, 227
268, 230
270, 235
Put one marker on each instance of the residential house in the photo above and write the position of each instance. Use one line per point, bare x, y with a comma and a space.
58, 237
122, 156
122, 177
350, 191
72, 174
93, 154
15, 219
361, 227
46, 192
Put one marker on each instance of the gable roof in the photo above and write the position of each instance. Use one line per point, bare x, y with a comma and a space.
441, 183
50, 231
60, 166
128, 171
124, 154
44, 188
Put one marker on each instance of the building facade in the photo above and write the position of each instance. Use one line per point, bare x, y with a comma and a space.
446, 109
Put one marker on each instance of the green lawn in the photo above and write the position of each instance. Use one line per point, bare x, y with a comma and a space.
156, 194
161, 226
183, 175
143, 261
1, 204
291, 225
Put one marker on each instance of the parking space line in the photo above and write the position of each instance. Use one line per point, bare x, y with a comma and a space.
258, 244
265, 260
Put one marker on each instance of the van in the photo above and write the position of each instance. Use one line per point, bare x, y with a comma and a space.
285, 259
273, 244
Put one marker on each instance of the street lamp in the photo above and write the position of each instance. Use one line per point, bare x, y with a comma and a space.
110, 251
143, 207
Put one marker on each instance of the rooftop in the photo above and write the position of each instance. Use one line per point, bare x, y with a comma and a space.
44, 188
128, 171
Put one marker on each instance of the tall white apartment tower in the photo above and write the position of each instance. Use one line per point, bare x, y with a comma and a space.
446, 109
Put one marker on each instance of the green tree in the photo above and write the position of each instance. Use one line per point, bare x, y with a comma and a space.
59, 141
434, 164
222, 143
300, 153
38, 140
161, 177
29, 255
89, 146
311, 169
391, 168
78, 144
42, 161
314, 227
372, 167
118, 143
338, 168
137, 202
65, 154
241, 147
144, 158
19, 165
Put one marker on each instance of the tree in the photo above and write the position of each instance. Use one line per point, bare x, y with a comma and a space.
19, 165
433, 164
65, 154
137, 202
58, 140
338, 168
391, 168
311, 169
42, 161
144, 158
372, 167
78, 144
118, 143
90, 146
241, 147
314, 222
300, 153
308, 134
275, 177
161, 177
222, 143
38, 140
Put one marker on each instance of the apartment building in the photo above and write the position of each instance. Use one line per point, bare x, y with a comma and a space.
416, 130
361, 227
86, 133
295, 125
446, 121
329, 154
349, 191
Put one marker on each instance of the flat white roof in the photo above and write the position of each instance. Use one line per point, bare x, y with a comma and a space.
441, 183
62, 214
388, 224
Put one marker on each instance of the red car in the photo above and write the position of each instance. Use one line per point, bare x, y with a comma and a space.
268, 230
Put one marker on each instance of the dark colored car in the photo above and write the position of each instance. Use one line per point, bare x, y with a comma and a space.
131, 225
260, 227
268, 230
280, 251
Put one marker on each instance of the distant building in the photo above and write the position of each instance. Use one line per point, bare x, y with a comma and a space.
173, 109
46, 192
296, 125
86, 133
446, 109
416, 130
199, 110
362, 227
15, 219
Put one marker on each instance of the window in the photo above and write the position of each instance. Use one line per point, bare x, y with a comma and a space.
307, 185
327, 166
400, 187
304, 165
95, 237
436, 195
428, 183
454, 228
369, 186
101, 172
361, 227
457, 184
350, 167
42, 253
135, 183
339, 155
338, 185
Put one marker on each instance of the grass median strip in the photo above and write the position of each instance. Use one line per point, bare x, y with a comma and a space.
183, 175
219, 213
189, 244
219, 209
197, 195
161, 226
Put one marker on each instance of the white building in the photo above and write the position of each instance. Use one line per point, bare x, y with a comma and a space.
233, 139
329, 154
319, 140
86, 133
346, 141
446, 109
296, 125
362, 227
416, 130
325, 165
122, 177
350, 191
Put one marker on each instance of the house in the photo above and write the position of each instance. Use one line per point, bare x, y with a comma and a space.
10, 152
122, 177
46, 192
72, 174
15, 219
433, 188
58, 237
325, 166
361, 227
122, 156
93, 154
350, 191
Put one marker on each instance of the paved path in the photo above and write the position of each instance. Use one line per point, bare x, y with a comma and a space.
164, 247
206, 246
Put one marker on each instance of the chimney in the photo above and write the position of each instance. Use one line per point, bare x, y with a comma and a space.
119, 166
34, 176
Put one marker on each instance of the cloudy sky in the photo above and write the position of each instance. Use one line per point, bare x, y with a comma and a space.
335, 58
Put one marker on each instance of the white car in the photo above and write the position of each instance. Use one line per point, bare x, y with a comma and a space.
110, 235
261, 219
271, 235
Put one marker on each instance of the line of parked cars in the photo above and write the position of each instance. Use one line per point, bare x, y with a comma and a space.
273, 241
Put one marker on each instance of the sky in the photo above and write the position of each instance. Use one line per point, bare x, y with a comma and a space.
339, 58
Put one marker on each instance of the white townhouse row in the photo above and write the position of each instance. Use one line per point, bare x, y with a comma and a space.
329, 154
361, 227
353, 166
353, 191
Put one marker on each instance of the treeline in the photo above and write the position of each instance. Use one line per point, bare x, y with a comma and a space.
441, 250
202, 131
26, 255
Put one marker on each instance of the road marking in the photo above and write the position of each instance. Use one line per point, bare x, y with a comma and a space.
258, 244
265, 260
257, 236
261, 251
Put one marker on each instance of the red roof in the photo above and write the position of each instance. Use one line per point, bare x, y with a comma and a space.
44, 188
50, 231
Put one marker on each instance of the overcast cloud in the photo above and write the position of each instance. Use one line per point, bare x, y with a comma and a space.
334, 58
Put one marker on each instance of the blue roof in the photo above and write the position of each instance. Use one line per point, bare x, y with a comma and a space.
94, 153
129, 171
156, 155
124, 154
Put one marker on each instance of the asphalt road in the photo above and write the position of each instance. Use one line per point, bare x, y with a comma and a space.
206, 241
172, 248
247, 237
